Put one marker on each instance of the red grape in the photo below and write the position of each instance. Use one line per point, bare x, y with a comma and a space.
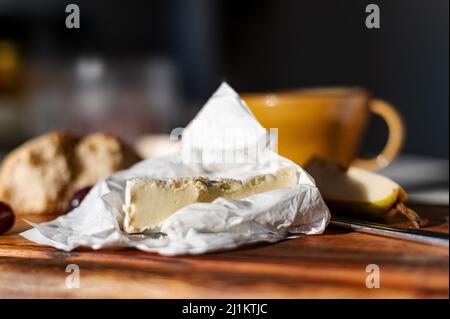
78, 197
6, 218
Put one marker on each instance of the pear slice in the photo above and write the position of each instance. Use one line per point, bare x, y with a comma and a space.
361, 194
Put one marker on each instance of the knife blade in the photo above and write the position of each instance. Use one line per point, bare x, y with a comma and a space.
417, 235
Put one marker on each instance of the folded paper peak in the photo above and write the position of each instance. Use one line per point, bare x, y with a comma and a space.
224, 132
224, 148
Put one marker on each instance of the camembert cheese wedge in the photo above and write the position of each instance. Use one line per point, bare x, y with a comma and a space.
148, 202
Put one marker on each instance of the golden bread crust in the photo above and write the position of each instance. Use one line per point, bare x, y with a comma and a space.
40, 175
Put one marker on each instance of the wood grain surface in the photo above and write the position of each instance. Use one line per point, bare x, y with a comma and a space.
331, 265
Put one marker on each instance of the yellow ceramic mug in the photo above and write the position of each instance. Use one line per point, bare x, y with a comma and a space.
326, 123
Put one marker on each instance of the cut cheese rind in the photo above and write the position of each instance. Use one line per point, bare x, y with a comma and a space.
148, 202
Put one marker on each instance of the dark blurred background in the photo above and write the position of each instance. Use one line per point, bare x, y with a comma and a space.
139, 67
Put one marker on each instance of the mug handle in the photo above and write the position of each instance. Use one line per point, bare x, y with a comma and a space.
395, 139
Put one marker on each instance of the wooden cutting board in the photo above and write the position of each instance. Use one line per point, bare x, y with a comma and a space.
331, 265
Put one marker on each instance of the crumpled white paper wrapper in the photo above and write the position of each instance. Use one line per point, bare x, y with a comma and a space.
224, 141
